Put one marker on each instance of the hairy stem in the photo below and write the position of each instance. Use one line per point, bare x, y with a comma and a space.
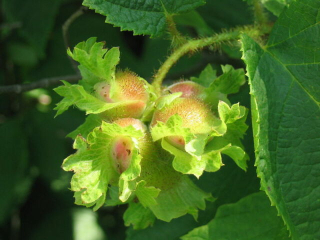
176, 36
259, 14
194, 45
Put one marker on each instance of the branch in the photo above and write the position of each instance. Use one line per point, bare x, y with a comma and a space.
197, 44
259, 14
10, 26
43, 83
65, 28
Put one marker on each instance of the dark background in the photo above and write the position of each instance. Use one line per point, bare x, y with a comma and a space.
35, 202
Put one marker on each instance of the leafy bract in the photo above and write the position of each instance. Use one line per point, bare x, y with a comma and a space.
250, 218
147, 17
77, 95
172, 202
284, 81
97, 63
217, 88
229, 81
201, 152
91, 122
182, 198
138, 216
207, 76
95, 169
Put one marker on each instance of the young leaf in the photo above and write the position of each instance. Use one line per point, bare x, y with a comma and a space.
207, 76
91, 122
138, 216
217, 88
284, 81
142, 17
229, 81
250, 218
146, 195
77, 95
96, 63
184, 197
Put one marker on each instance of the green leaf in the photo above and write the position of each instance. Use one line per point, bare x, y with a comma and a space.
194, 19
284, 80
173, 127
230, 115
147, 17
22, 54
91, 122
207, 76
96, 63
275, 6
226, 14
229, 81
94, 170
146, 195
15, 177
138, 216
77, 95
250, 218
167, 99
217, 88
36, 18
113, 197
185, 197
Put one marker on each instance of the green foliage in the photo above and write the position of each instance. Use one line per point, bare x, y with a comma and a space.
147, 17
36, 18
96, 63
285, 104
276, 6
15, 176
250, 218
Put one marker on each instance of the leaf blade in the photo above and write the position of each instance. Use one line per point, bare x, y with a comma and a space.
285, 105
146, 17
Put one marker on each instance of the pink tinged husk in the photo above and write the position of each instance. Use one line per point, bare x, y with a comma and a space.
102, 91
195, 114
121, 152
136, 123
177, 141
189, 89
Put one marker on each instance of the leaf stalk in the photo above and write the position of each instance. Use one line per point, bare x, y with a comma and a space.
197, 44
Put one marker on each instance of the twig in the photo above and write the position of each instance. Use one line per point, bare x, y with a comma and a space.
259, 13
65, 28
43, 83
9, 26
197, 44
